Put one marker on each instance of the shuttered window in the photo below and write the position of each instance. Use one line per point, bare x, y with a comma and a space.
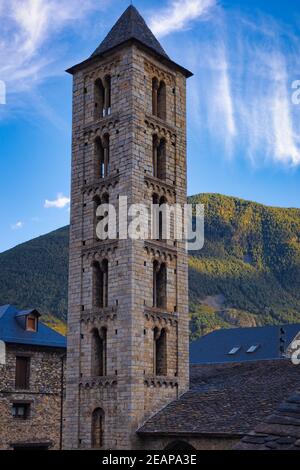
22, 372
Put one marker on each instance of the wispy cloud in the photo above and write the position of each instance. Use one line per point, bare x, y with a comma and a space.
27, 27
241, 92
59, 203
17, 226
178, 15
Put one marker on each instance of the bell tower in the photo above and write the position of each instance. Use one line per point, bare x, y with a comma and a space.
128, 323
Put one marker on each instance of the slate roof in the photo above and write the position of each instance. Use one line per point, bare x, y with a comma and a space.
214, 347
226, 400
130, 25
279, 431
12, 330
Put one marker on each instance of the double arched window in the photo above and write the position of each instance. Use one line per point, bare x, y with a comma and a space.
102, 96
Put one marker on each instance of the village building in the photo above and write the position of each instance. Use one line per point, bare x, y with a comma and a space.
32, 368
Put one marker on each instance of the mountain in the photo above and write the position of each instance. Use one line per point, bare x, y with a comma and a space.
35, 274
247, 274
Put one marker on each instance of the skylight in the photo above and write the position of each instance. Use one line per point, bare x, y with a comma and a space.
253, 348
234, 350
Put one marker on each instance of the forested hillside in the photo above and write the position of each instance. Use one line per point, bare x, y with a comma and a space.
247, 274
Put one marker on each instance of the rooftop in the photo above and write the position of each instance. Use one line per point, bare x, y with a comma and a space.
130, 25
12, 329
227, 399
242, 344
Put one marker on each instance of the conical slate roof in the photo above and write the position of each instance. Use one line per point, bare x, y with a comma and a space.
130, 25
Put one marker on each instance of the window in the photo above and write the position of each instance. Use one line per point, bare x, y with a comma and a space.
160, 352
159, 157
22, 372
102, 96
161, 101
100, 284
159, 98
31, 323
253, 348
97, 428
102, 230
234, 350
159, 285
20, 410
102, 156
99, 99
99, 355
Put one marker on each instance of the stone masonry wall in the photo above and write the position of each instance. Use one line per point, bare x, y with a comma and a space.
44, 396
129, 392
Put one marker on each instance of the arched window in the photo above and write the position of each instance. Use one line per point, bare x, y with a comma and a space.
160, 352
159, 285
98, 418
98, 218
102, 96
99, 96
99, 342
161, 160
159, 157
155, 85
161, 100
100, 284
107, 95
102, 156
161, 218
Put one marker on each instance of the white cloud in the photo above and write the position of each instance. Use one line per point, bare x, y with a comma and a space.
17, 226
242, 89
27, 27
59, 203
178, 15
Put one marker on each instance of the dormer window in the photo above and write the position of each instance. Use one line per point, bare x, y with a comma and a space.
31, 323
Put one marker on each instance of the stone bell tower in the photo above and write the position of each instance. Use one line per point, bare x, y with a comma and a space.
128, 299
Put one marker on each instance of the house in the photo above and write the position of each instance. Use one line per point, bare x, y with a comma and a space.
32, 362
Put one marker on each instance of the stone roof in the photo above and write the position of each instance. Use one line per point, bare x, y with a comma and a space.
130, 25
227, 399
279, 431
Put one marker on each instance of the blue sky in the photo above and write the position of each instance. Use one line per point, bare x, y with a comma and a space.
243, 128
